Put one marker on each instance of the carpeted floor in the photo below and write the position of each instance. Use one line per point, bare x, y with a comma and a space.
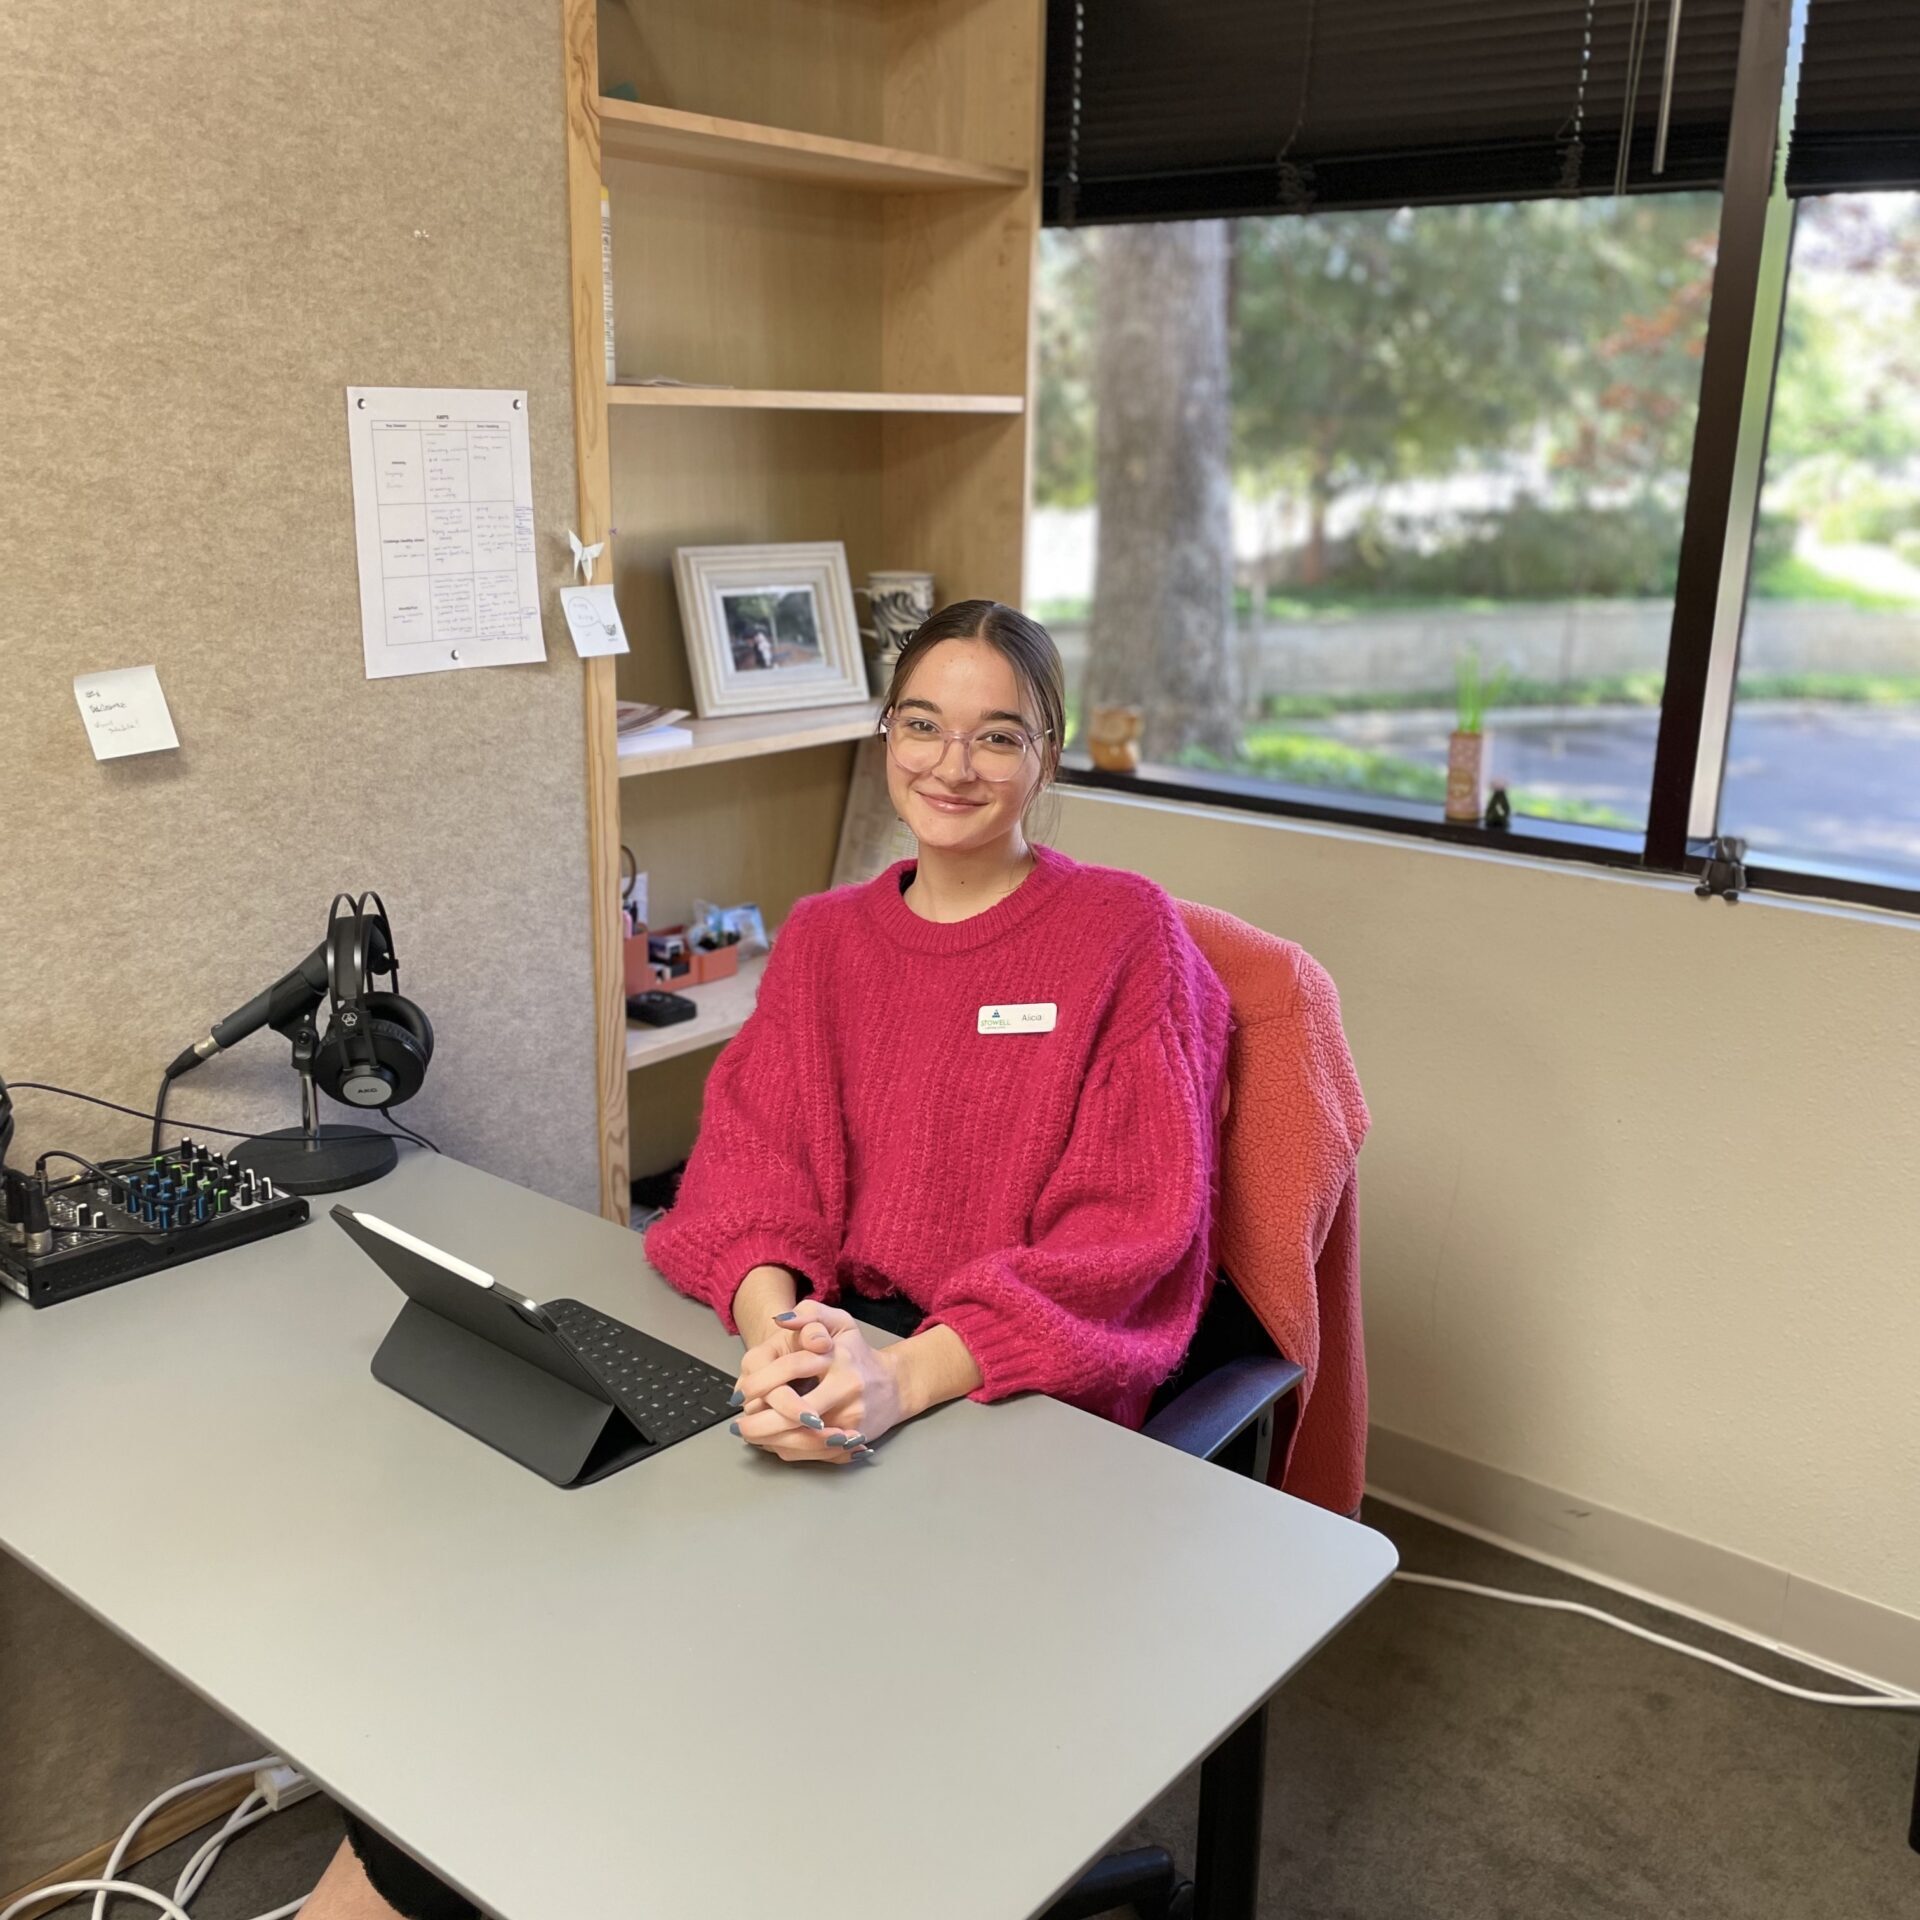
1448, 1758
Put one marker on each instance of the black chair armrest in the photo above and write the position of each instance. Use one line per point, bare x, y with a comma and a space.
1212, 1413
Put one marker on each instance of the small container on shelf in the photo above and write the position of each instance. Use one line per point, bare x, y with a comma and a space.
680, 961
715, 963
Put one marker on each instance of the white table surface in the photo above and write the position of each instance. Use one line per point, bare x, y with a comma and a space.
710, 1686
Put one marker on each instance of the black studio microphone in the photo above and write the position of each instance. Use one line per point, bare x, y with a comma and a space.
293, 996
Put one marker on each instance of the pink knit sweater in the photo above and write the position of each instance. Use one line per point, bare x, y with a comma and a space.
1047, 1195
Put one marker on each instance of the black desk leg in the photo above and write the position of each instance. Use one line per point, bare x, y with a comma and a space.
1913, 1827
1232, 1786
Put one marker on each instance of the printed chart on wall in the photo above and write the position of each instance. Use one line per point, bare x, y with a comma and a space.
443, 521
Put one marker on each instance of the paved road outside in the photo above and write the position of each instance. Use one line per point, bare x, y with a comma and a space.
1803, 778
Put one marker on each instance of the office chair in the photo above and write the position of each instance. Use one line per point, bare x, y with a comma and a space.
1232, 1394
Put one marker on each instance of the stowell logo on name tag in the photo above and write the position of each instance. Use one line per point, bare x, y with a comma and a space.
1038, 1017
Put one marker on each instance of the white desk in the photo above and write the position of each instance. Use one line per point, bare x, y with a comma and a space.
710, 1686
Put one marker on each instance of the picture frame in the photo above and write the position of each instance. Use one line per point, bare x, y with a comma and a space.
769, 629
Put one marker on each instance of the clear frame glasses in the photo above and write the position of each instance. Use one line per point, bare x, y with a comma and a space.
995, 753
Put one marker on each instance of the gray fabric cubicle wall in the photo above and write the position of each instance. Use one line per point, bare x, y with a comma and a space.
213, 219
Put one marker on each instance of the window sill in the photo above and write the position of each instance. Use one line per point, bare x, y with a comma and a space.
1538, 839
1858, 886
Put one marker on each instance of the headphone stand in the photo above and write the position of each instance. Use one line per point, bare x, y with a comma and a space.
312, 1158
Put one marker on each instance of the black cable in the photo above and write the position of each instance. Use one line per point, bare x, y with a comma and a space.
78, 1159
159, 1111
137, 1113
184, 1126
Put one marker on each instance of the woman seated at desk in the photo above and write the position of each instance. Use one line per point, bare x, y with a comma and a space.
978, 1100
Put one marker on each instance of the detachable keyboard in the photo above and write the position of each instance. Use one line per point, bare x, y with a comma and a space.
667, 1394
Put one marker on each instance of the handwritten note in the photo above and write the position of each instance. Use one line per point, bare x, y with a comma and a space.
125, 712
593, 620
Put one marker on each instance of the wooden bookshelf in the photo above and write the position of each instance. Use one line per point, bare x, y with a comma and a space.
748, 735
824, 215
630, 131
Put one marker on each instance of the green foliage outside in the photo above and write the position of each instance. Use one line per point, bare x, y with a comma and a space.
1778, 575
1553, 347
1603, 690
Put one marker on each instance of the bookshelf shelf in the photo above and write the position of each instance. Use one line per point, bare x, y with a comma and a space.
814, 400
724, 1006
746, 736
630, 131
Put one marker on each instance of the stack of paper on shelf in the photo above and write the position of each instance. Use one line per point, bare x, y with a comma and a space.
646, 729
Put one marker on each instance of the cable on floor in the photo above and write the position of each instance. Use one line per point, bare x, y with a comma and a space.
250, 1812
1885, 1698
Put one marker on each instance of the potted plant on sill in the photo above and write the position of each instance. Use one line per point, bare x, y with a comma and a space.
1469, 751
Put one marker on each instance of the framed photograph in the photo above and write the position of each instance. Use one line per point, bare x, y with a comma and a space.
769, 628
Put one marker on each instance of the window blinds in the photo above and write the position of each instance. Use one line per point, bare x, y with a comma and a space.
1169, 109
1857, 122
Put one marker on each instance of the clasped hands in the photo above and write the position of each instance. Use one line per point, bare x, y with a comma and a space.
814, 1390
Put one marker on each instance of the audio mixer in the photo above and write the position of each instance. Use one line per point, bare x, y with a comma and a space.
126, 1218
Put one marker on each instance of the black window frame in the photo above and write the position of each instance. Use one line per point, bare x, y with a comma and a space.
1721, 515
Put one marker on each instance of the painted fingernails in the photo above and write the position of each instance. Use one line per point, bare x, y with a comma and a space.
786, 1319
865, 1455
733, 1427
736, 1398
813, 1421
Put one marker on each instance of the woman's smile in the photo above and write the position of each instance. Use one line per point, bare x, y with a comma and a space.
947, 802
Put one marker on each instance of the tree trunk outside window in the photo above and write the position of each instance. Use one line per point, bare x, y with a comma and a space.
1162, 630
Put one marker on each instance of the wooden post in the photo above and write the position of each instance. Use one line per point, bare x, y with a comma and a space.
582, 58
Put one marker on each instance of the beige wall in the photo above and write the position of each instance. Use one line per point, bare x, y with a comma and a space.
1640, 1204
213, 219
216, 219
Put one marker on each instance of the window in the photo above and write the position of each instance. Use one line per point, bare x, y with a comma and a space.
1385, 347
1824, 759
1453, 435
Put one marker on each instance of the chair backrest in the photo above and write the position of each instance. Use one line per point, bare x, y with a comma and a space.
1286, 1225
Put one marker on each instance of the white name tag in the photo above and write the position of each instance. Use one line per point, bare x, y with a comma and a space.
1036, 1018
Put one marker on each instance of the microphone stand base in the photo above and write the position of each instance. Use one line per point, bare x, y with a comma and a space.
321, 1161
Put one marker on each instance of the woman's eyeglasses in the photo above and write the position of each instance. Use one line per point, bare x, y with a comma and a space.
994, 753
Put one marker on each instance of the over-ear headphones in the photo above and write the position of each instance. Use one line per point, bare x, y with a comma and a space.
377, 1044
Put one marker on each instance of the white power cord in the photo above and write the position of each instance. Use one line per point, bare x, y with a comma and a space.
249, 1813
1884, 1697
101, 1888
266, 1800
124, 1845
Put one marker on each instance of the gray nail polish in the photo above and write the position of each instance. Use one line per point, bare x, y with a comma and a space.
814, 1421
838, 1440
736, 1398
786, 1319
733, 1427
865, 1455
